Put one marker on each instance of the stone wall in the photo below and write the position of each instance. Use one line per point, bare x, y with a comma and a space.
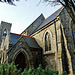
60, 33
68, 39
49, 56
48, 60
5, 40
32, 55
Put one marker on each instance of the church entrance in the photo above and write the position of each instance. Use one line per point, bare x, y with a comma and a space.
20, 61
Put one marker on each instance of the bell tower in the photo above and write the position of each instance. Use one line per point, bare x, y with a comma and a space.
5, 28
4, 39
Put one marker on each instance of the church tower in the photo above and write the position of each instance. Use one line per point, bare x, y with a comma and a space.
4, 39
4, 29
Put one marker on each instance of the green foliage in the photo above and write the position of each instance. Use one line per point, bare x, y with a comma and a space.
64, 73
39, 71
11, 69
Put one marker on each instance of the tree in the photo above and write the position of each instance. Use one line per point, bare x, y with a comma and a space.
68, 4
9, 1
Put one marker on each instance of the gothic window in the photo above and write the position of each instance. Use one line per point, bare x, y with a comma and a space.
47, 42
5, 32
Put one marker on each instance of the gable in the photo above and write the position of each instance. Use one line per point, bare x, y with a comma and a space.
48, 20
25, 43
20, 46
30, 41
33, 25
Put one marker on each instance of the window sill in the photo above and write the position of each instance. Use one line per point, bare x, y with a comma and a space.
48, 52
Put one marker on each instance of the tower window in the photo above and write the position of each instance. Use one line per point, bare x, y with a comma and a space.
47, 42
5, 32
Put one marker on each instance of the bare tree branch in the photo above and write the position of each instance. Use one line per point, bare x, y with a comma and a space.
68, 4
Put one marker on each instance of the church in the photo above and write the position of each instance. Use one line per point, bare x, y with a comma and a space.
47, 41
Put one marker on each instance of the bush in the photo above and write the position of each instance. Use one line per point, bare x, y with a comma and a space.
11, 69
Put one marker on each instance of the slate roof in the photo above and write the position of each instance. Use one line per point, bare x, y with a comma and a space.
14, 38
29, 40
48, 20
34, 25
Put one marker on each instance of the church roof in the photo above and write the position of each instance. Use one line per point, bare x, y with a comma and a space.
14, 38
34, 25
48, 20
29, 40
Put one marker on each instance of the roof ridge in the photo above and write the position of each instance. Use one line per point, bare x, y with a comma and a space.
34, 21
23, 35
46, 19
52, 13
16, 34
61, 10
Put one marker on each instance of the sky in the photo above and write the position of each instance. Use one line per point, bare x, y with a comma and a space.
24, 13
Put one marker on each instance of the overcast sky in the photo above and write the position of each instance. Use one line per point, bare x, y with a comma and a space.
24, 13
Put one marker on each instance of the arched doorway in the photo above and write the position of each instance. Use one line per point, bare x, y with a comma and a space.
20, 61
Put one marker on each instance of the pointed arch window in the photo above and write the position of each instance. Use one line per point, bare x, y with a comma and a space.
47, 42
5, 32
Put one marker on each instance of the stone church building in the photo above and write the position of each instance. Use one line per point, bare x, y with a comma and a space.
49, 41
